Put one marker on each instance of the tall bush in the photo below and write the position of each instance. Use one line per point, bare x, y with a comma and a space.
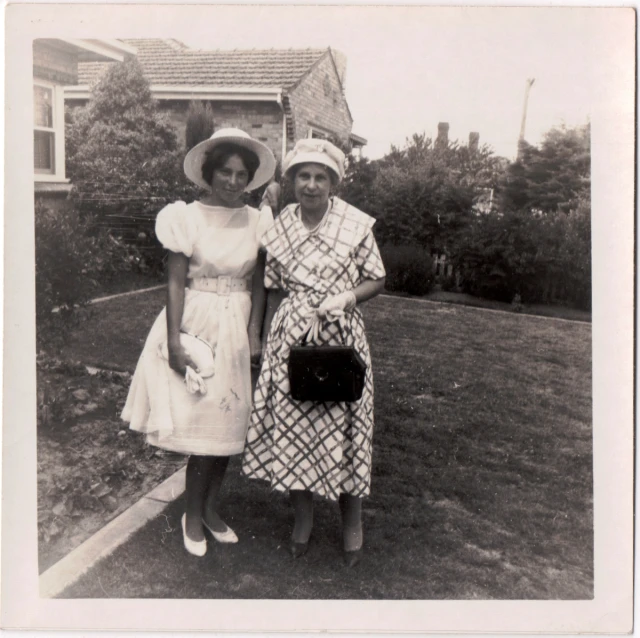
199, 125
425, 194
550, 178
358, 184
123, 159
541, 258
409, 269
72, 261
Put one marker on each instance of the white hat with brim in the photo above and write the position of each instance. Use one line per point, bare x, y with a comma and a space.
196, 157
316, 151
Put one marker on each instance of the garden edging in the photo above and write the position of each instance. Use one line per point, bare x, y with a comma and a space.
66, 571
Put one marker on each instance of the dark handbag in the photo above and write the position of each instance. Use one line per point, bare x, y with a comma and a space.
326, 373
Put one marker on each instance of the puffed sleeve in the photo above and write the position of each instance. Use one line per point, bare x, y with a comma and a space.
176, 228
368, 259
265, 221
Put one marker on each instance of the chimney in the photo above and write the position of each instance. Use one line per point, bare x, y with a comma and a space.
443, 135
474, 139
341, 64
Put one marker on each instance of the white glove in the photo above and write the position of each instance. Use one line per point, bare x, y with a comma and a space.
195, 383
332, 308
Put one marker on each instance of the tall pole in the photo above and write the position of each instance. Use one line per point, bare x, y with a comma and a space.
528, 86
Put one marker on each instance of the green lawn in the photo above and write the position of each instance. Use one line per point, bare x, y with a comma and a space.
482, 476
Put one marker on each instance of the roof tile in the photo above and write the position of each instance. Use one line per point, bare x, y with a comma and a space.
172, 62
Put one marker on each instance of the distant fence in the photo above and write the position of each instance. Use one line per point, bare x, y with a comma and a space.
128, 227
443, 271
139, 231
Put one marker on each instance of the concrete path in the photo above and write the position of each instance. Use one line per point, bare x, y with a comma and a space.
126, 294
68, 570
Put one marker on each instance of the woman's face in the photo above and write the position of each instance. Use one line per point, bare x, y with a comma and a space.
229, 181
312, 187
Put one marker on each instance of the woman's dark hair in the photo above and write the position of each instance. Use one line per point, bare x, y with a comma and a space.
333, 176
217, 157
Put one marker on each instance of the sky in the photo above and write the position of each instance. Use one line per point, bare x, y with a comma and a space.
410, 67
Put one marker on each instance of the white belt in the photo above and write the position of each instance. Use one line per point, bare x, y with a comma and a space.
222, 285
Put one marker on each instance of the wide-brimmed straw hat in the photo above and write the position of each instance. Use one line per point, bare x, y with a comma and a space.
316, 151
196, 156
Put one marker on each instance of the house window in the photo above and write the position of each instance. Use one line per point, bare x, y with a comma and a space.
316, 134
48, 132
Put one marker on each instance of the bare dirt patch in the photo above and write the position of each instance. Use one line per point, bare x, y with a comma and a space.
91, 467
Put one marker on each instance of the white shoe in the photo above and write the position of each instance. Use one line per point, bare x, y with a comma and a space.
228, 536
197, 548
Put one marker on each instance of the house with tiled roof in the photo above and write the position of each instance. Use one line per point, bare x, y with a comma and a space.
276, 95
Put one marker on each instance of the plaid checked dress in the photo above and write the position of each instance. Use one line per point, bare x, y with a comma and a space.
321, 447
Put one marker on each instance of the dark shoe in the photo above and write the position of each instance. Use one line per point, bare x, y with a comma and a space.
352, 558
298, 549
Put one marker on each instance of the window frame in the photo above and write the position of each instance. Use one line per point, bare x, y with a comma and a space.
57, 128
317, 133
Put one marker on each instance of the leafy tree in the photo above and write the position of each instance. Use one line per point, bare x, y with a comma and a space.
357, 187
199, 124
541, 258
536, 243
427, 195
553, 177
123, 158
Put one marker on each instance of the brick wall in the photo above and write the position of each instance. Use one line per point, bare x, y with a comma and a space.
54, 64
319, 100
262, 120
58, 201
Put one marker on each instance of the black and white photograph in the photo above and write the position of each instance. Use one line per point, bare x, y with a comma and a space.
415, 385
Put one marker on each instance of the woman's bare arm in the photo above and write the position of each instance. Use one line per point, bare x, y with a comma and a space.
178, 266
258, 303
274, 299
368, 289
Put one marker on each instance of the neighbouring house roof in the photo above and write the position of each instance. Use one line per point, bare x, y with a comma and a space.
169, 62
358, 140
176, 71
100, 50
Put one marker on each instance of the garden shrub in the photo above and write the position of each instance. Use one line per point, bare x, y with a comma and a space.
124, 161
409, 269
425, 194
449, 283
542, 258
199, 125
73, 259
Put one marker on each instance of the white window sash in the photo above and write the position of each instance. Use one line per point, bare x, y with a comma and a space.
57, 116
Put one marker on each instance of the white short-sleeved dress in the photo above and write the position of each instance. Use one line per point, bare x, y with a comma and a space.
219, 242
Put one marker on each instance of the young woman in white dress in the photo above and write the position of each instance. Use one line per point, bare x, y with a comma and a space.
215, 293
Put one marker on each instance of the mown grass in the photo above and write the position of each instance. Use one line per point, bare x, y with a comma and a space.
482, 475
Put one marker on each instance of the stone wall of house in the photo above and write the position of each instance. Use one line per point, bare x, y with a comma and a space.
318, 102
53, 63
262, 120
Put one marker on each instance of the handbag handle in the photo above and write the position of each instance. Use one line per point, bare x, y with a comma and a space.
303, 341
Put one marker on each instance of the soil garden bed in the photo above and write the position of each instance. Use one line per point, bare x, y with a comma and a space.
91, 466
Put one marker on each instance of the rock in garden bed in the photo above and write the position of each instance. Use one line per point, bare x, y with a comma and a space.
91, 467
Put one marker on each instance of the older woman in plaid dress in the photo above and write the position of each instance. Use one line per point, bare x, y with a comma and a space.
322, 254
